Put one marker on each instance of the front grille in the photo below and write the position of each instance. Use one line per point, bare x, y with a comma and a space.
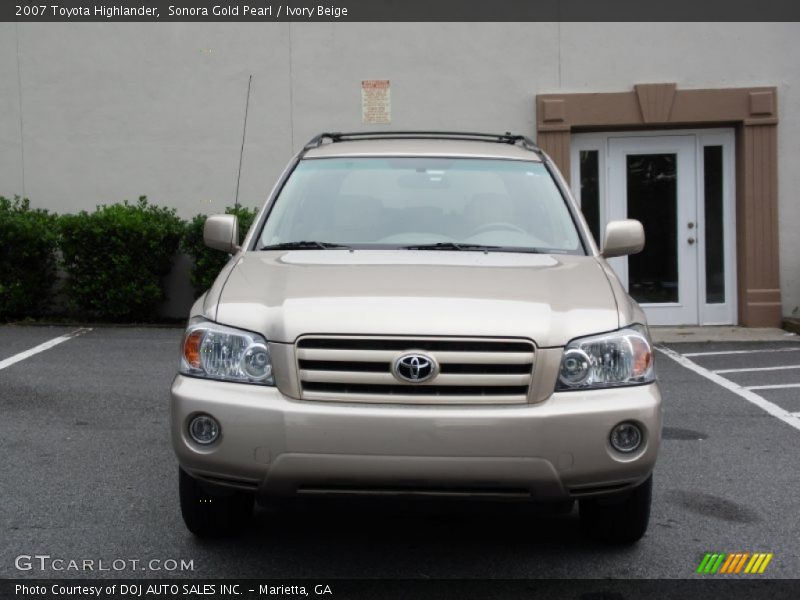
470, 371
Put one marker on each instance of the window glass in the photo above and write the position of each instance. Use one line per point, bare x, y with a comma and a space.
714, 241
653, 200
590, 190
391, 202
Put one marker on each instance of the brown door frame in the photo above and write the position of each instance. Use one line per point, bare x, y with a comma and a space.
753, 112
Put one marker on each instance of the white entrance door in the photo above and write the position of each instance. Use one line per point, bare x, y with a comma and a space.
653, 179
680, 185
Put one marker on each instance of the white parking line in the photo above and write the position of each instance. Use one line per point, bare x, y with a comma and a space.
778, 386
720, 353
749, 395
753, 369
42, 347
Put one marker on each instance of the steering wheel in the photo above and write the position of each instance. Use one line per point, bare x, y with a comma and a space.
498, 225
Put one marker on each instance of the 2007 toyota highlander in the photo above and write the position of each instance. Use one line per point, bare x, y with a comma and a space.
418, 313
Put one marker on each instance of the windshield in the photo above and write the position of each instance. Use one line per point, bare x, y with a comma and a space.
436, 203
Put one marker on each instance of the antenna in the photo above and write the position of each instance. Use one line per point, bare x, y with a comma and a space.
241, 151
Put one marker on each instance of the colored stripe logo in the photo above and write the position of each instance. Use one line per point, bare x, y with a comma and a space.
737, 563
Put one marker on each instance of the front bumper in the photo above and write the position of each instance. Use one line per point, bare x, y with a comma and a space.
548, 451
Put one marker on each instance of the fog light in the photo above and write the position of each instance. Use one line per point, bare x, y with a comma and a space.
204, 429
626, 437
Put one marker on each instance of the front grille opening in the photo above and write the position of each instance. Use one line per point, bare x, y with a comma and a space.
415, 344
587, 491
414, 490
231, 482
344, 365
385, 367
416, 390
486, 369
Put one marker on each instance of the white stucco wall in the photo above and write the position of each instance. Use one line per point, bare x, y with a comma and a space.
101, 112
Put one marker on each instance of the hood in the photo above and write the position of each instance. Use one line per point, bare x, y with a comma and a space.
547, 298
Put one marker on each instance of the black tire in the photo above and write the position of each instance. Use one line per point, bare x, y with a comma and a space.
618, 519
212, 511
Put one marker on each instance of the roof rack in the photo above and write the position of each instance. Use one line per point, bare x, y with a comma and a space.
501, 138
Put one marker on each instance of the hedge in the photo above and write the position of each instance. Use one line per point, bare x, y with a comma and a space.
115, 259
28, 241
207, 262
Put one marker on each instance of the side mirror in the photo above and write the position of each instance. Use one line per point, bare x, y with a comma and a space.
623, 238
221, 232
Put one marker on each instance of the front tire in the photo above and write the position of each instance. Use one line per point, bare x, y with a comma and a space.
618, 519
212, 511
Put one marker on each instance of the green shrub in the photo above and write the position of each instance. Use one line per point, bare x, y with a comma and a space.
28, 241
208, 262
116, 257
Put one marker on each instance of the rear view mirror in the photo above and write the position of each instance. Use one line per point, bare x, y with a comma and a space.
623, 238
221, 232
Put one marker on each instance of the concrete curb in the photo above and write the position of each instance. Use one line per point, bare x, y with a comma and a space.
724, 333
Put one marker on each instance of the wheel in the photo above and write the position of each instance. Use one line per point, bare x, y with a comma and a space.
211, 511
618, 519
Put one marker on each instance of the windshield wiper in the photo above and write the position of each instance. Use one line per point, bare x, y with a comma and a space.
451, 246
467, 247
304, 245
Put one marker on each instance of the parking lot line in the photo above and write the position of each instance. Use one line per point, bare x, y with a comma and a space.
749, 395
752, 369
42, 347
778, 386
721, 352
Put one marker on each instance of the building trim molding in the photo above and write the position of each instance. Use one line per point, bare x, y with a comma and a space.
753, 112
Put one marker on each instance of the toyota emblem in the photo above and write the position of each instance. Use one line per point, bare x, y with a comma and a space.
414, 367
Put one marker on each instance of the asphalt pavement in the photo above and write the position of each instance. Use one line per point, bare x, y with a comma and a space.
89, 474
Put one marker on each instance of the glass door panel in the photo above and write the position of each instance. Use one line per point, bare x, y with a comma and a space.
652, 179
652, 192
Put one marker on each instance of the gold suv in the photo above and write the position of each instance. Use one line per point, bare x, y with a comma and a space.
418, 313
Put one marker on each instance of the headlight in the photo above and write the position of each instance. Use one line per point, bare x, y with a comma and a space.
614, 359
219, 352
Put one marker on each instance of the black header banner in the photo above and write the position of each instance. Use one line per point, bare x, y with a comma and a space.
299, 11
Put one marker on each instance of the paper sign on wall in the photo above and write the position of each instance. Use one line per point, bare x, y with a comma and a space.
376, 102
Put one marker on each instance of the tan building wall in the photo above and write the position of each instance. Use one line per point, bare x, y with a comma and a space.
100, 112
